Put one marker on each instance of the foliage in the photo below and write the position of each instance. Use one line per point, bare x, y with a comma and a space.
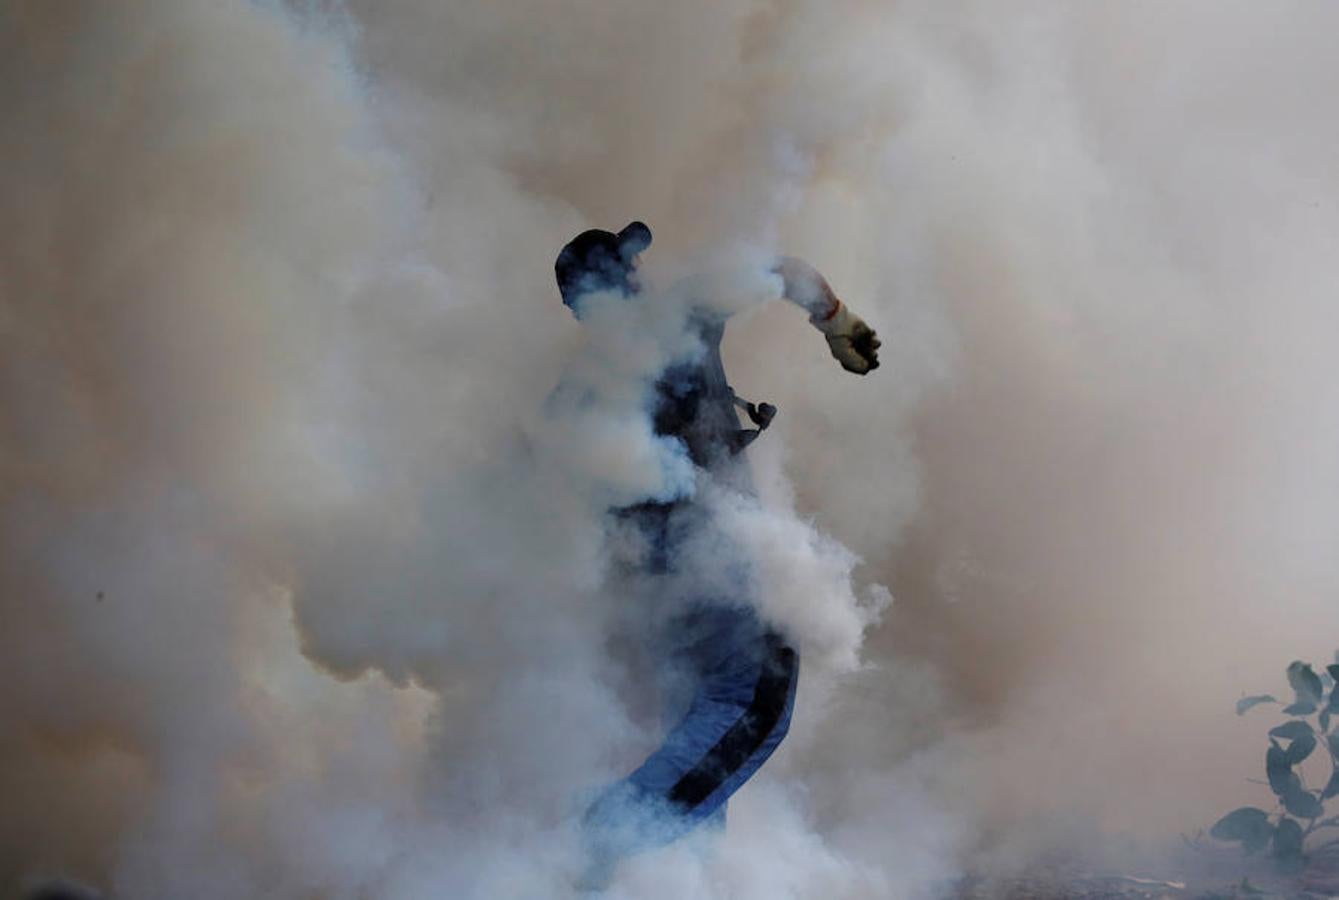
1289, 830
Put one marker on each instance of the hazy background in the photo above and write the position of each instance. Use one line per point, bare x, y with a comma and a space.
304, 594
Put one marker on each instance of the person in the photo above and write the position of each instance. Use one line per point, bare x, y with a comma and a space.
736, 675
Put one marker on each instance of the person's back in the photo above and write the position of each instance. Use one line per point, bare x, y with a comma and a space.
695, 403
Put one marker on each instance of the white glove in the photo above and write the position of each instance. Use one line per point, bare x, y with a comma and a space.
853, 343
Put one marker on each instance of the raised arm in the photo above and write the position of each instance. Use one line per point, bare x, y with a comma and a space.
853, 343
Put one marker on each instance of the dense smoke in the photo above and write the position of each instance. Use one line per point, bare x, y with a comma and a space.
303, 556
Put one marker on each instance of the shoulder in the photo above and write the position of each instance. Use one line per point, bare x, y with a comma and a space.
720, 293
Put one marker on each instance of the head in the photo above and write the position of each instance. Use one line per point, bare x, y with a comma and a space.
598, 260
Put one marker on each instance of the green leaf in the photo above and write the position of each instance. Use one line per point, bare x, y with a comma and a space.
1333, 740
1291, 731
1305, 682
1324, 718
1259, 839
1334, 671
1288, 840
1300, 709
1246, 703
1332, 787
1282, 779
1303, 804
1241, 824
1300, 749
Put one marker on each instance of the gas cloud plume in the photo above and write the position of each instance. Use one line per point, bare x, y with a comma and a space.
304, 562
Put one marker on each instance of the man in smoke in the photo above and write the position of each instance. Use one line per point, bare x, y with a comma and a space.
735, 674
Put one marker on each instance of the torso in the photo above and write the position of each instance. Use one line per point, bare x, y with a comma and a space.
694, 402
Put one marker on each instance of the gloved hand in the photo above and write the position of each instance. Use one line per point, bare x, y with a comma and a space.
761, 414
853, 343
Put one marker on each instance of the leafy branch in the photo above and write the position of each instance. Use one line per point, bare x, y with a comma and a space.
1300, 811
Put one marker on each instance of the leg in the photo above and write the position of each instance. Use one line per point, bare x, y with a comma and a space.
743, 693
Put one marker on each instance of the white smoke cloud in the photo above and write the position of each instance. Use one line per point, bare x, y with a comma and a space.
305, 568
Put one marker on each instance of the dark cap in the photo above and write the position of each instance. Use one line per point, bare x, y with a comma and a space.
597, 260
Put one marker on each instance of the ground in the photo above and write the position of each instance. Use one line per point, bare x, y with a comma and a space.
1198, 873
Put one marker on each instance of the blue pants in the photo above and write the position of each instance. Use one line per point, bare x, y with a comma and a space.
740, 678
